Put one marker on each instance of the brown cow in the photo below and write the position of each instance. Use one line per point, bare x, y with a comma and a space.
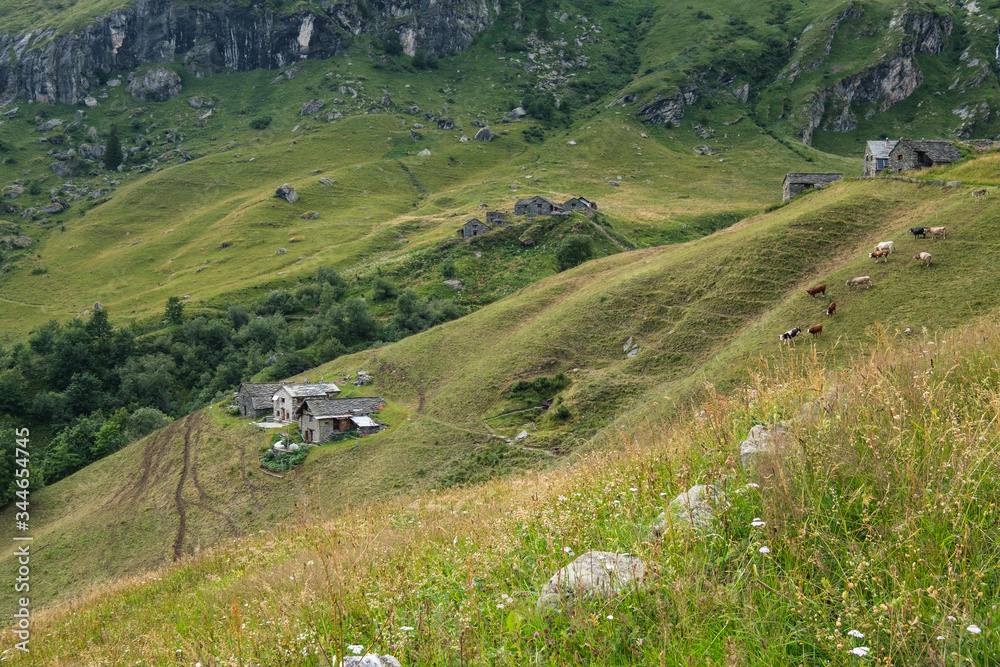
819, 289
816, 330
924, 257
831, 309
880, 254
936, 232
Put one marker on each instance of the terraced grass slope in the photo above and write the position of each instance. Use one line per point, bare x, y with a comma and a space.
707, 311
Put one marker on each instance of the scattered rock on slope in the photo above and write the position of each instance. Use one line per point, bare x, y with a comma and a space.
287, 193
311, 107
594, 574
484, 134
697, 506
157, 84
758, 441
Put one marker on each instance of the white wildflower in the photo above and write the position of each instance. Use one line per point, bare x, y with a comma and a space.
356, 649
974, 629
855, 633
757, 523
610, 617
764, 550
406, 628
860, 651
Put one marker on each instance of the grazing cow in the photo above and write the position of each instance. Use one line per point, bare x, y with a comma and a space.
790, 334
924, 257
980, 194
885, 245
832, 308
859, 281
936, 232
919, 231
819, 289
816, 330
880, 254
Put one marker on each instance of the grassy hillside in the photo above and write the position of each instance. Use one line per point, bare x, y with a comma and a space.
705, 311
869, 532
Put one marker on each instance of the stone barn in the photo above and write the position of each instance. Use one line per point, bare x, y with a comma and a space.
580, 204
909, 154
254, 399
536, 206
796, 184
321, 419
877, 156
495, 217
474, 227
289, 397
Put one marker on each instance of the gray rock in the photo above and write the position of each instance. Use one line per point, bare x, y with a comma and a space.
91, 152
759, 441
114, 83
445, 123
91, 102
280, 251
23, 241
326, 181
454, 284
598, 574
614, 184
13, 191
697, 506
628, 345
484, 134
954, 184
518, 113
414, 111
48, 125
52, 209
61, 169
310, 215
521, 436
424, 152
633, 352
287, 193
196, 103
464, 139
334, 115
157, 84
311, 107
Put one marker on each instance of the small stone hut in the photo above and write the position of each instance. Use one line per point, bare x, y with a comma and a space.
536, 206
254, 398
910, 154
580, 204
877, 156
795, 184
474, 227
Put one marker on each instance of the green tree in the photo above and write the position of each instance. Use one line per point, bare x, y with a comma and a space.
111, 437
383, 289
574, 249
175, 310
113, 156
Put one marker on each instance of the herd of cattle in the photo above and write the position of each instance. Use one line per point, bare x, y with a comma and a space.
881, 252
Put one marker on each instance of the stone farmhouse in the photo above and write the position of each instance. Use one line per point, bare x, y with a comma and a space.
580, 204
495, 217
474, 227
321, 419
536, 206
877, 156
254, 399
796, 184
290, 397
910, 154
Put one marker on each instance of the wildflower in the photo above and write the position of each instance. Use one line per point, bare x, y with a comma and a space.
753, 485
610, 617
662, 494
356, 649
406, 628
940, 638
764, 550
952, 618
860, 651
757, 523
563, 499
567, 550
855, 633
536, 635
500, 605
974, 629
633, 489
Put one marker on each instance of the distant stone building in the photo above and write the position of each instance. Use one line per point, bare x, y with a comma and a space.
909, 154
254, 399
536, 206
877, 156
795, 184
495, 218
321, 419
474, 227
580, 204
289, 397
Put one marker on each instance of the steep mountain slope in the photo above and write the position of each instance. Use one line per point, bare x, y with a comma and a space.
700, 312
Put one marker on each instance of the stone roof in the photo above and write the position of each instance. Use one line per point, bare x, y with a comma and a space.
260, 393
535, 198
881, 148
312, 389
340, 407
813, 179
937, 150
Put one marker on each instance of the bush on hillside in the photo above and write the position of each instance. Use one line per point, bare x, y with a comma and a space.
573, 250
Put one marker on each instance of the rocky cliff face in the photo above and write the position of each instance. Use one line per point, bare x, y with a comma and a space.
45, 67
879, 86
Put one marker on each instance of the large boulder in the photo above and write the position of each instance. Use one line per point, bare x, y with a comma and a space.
311, 107
287, 193
518, 113
484, 134
48, 125
759, 441
61, 169
157, 84
445, 123
697, 507
91, 152
594, 574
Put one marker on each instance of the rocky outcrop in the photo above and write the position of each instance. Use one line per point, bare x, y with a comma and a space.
882, 85
600, 574
48, 67
669, 109
157, 84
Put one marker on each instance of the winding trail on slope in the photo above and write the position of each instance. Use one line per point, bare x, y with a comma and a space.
179, 495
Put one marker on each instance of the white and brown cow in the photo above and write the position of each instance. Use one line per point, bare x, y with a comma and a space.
885, 245
924, 257
859, 281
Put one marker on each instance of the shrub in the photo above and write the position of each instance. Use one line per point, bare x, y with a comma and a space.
260, 123
573, 250
383, 289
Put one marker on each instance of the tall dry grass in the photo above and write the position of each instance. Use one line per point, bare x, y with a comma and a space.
872, 526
